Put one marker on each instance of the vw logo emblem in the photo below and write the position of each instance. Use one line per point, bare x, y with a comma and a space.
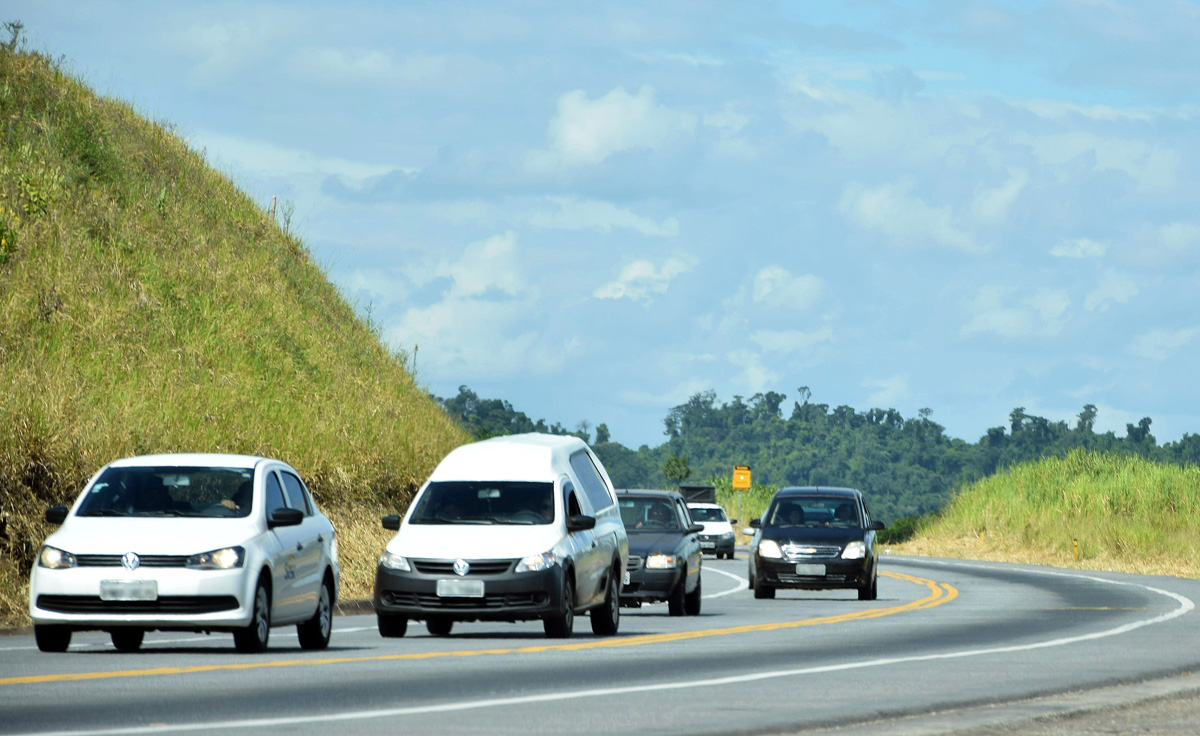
131, 561
461, 567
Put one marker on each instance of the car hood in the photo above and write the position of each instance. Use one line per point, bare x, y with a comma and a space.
646, 543
715, 527
150, 536
813, 535
474, 541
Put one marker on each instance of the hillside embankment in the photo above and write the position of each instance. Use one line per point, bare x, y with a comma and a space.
150, 306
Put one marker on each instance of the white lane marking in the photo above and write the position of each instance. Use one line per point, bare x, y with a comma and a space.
1185, 606
157, 642
743, 584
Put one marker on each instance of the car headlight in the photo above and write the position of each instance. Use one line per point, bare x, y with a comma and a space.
537, 563
727, 535
856, 550
394, 561
55, 558
661, 562
226, 558
769, 548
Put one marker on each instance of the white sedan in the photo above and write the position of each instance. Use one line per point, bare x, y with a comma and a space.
187, 542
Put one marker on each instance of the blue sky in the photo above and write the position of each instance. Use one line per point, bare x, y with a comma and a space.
595, 210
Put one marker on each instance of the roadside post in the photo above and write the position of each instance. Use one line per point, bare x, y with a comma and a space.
741, 482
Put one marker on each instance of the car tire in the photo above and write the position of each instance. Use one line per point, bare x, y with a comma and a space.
562, 625
677, 601
606, 618
315, 632
127, 640
52, 638
439, 626
764, 591
691, 602
869, 592
391, 626
751, 579
253, 638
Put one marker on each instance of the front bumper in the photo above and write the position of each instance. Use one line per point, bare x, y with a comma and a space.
814, 574
507, 596
716, 544
646, 586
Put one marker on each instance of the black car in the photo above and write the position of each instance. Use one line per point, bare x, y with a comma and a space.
812, 539
664, 551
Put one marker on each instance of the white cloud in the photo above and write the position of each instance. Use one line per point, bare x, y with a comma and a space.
1079, 248
1037, 312
223, 47
902, 217
485, 265
586, 132
776, 286
641, 279
1159, 344
575, 214
1179, 236
991, 206
1114, 286
888, 392
676, 395
1151, 165
373, 66
755, 376
269, 159
790, 341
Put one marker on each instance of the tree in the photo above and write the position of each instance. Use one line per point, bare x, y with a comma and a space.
602, 435
676, 469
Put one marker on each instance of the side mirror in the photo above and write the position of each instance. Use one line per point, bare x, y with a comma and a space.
755, 523
876, 526
748, 531
580, 523
695, 529
285, 517
733, 522
392, 522
57, 514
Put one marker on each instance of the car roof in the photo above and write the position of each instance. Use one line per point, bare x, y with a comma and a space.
648, 492
190, 459
818, 491
532, 456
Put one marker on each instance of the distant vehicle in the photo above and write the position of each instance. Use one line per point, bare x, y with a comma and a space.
698, 492
664, 551
187, 542
717, 535
814, 538
511, 528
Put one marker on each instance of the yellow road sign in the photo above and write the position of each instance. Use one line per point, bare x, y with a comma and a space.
741, 478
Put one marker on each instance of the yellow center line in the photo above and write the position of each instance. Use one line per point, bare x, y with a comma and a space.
939, 593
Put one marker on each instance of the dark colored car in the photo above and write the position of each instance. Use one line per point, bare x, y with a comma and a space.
664, 551
813, 539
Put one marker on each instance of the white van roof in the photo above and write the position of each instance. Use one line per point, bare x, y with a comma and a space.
533, 456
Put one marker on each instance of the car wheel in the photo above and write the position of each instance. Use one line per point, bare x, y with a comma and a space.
391, 626
675, 604
439, 626
869, 592
750, 577
315, 632
607, 616
764, 591
52, 638
562, 625
254, 637
127, 640
691, 603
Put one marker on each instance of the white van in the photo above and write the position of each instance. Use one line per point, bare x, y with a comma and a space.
508, 529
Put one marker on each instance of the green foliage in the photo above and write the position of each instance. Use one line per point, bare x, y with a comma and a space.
676, 469
901, 529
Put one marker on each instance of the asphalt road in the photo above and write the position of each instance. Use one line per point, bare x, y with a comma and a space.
944, 638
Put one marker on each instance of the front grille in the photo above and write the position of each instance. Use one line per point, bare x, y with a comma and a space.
115, 560
811, 551
786, 577
709, 538
634, 564
478, 567
495, 601
175, 604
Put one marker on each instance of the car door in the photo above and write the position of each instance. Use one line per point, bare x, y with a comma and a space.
287, 597
310, 541
603, 507
582, 543
690, 544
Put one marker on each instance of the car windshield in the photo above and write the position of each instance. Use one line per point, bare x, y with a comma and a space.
485, 502
703, 514
648, 514
170, 491
814, 511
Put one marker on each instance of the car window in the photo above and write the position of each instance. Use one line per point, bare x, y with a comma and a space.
594, 486
812, 511
648, 513
274, 495
169, 491
573, 507
706, 514
685, 519
485, 502
294, 491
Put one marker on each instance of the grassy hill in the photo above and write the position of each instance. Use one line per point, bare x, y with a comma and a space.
1126, 513
149, 306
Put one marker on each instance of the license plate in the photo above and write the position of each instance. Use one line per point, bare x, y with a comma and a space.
460, 588
626, 580
128, 590
811, 570
707, 545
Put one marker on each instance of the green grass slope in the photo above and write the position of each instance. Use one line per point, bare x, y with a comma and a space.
147, 305
1126, 513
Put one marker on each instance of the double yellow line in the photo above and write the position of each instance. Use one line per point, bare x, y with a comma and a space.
939, 593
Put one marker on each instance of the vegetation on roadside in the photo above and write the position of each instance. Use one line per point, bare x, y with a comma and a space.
150, 306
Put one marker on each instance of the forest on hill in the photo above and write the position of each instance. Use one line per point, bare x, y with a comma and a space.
905, 466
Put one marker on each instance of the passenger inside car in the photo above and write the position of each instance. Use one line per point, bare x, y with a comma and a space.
844, 515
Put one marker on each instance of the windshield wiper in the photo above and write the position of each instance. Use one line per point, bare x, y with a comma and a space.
102, 512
